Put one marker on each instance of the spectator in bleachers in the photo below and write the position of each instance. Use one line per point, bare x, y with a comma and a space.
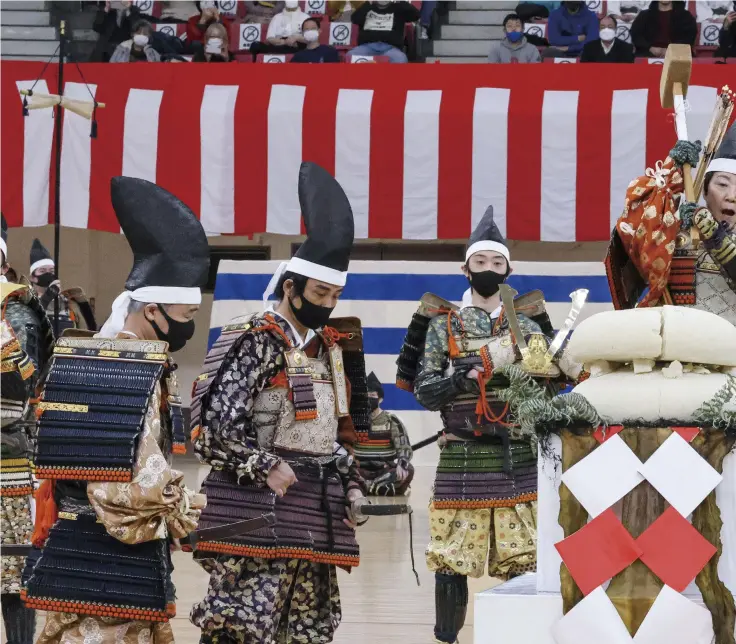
285, 31
197, 25
425, 18
529, 11
626, 10
382, 29
314, 52
138, 49
342, 10
514, 48
608, 48
570, 27
262, 12
216, 46
113, 22
712, 10
177, 11
663, 24
727, 37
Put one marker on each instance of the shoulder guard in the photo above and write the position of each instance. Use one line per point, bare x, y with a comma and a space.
351, 340
533, 305
93, 407
227, 342
430, 306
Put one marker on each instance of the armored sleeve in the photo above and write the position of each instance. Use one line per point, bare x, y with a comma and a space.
347, 438
27, 329
227, 438
400, 439
432, 387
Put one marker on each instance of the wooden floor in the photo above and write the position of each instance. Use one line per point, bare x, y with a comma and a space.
380, 599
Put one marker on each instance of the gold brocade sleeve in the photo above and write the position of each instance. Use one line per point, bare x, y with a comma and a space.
156, 502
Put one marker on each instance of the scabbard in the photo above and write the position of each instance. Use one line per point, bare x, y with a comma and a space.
426, 441
385, 510
229, 530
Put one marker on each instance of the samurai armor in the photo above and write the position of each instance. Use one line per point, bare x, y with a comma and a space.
93, 407
475, 474
309, 517
354, 359
85, 570
682, 277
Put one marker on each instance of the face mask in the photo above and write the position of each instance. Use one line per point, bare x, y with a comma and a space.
573, 7
140, 40
514, 36
486, 283
607, 34
179, 332
213, 46
45, 279
291, 4
312, 316
311, 35
373, 403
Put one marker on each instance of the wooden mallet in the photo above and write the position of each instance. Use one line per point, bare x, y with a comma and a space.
678, 64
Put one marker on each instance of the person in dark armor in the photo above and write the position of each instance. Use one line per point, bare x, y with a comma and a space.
27, 343
111, 506
274, 414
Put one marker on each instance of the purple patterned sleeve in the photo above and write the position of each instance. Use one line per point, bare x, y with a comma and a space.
228, 439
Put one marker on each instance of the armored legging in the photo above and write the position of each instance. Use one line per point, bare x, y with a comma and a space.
451, 604
20, 622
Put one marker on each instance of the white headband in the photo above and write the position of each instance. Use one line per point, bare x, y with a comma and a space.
308, 269
4, 248
722, 165
147, 294
40, 264
488, 245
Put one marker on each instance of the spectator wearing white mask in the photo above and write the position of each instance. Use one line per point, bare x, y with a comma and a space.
314, 52
138, 48
608, 48
285, 29
216, 46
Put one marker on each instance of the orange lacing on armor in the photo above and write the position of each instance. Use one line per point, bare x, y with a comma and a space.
273, 326
46, 513
332, 336
482, 407
453, 349
102, 610
477, 504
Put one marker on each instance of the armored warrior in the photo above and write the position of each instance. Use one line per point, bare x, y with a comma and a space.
472, 362
110, 418
75, 311
27, 342
274, 417
384, 452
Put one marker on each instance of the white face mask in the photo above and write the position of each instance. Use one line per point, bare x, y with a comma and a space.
311, 36
140, 39
607, 34
291, 4
213, 46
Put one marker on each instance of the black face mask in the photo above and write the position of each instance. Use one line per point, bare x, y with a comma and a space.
486, 283
373, 403
179, 332
312, 316
44, 280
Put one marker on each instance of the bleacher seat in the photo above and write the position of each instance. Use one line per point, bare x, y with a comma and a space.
149, 7
172, 29
341, 35
623, 31
233, 9
366, 59
274, 58
597, 6
538, 29
708, 33
314, 7
245, 34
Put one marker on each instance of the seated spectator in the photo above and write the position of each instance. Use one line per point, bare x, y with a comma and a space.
113, 22
626, 10
712, 10
514, 48
342, 10
727, 37
177, 11
529, 11
663, 24
570, 27
314, 52
262, 12
138, 48
216, 46
382, 29
284, 34
608, 49
197, 25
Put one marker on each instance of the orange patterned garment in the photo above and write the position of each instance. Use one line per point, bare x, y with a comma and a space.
649, 225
